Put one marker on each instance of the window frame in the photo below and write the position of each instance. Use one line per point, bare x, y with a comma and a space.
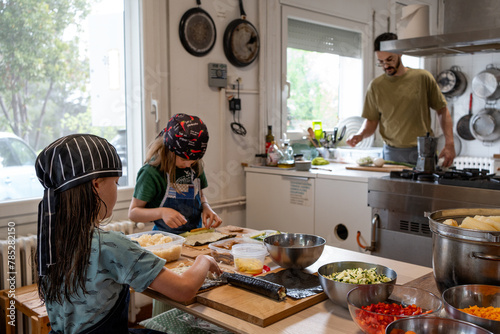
24, 212
363, 28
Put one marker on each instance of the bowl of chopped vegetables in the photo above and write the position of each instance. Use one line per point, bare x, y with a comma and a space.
338, 278
374, 307
475, 303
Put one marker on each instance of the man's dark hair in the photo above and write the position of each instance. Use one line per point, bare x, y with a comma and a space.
386, 36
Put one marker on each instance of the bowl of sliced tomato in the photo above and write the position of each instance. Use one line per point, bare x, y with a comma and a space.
374, 307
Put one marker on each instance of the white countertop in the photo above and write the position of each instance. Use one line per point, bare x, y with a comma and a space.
330, 171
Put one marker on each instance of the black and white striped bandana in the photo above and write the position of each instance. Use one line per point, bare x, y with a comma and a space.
64, 164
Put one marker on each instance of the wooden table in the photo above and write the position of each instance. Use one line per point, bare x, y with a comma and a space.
324, 317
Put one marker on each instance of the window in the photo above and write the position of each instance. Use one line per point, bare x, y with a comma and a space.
63, 66
324, 70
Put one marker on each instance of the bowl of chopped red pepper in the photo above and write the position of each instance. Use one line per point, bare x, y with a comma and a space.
374, 307
475, 303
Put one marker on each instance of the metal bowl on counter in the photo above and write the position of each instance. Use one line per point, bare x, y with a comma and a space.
294, 250
363, 300
433, 325
464, 296
461, 255
337, 291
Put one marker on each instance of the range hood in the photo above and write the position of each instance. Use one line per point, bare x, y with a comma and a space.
447, 44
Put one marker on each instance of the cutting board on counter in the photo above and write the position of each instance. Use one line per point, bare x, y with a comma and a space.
383, 169
252, 307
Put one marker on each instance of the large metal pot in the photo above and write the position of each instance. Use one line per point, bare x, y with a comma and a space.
487, 83
464, 256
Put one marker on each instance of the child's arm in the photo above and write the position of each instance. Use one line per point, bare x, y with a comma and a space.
139, 213
184, 287
208, 216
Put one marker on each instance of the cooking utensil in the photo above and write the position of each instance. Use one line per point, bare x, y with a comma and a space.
463, 124
353, 124
485, 125
197, 31
337, 291
486, 84
463, 256
294, 250
452, 82
463, 296
435, 325
241, 41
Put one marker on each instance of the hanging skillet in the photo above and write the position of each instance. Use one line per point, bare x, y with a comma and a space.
452, 82
241, 41
197, 31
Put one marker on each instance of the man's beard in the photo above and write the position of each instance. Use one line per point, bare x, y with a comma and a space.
391, 70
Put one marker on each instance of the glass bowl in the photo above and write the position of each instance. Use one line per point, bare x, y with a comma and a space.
416, 303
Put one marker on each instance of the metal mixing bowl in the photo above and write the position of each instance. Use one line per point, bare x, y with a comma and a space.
366, 295
463, 296
337, 291
433, 325
294, 250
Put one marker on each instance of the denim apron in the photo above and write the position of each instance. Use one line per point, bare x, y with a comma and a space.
408, 155
187, 203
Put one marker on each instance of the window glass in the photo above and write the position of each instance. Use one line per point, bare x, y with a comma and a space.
62, 65
325, 72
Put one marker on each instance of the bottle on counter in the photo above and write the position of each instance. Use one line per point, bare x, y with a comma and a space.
269, 137
273, 155
287, 160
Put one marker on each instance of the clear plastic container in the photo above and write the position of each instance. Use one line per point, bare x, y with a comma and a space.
221, 250
249, 258
169, 251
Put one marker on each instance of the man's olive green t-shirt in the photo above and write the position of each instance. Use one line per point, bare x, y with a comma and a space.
401, 105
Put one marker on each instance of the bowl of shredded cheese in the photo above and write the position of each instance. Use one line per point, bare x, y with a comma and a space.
475, 303
166, 245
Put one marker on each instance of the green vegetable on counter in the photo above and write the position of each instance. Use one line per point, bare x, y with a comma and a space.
319, 161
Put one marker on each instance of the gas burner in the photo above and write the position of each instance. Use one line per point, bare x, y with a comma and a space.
412, 174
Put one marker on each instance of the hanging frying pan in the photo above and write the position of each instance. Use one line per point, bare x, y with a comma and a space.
452, 82
197, 31
241, 41
463, 128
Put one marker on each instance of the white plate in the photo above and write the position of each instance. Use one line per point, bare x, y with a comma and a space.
353, 124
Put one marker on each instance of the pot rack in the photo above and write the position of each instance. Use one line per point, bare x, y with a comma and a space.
468, 42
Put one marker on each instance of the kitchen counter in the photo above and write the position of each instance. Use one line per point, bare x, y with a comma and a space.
334, 170
324, 317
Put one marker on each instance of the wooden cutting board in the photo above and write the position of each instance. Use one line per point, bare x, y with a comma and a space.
252, 307
383, 169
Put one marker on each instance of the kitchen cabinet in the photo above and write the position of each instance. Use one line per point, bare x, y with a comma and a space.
280, 202
341, 210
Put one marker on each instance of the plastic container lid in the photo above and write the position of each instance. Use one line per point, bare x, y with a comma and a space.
249, 250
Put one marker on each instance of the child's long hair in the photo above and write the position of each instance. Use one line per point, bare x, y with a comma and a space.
158, 155
76, 219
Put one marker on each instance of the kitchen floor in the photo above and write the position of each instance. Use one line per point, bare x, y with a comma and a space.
145, 313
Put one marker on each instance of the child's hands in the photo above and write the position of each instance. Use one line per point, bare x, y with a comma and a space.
209, 217
172, 217
214, 267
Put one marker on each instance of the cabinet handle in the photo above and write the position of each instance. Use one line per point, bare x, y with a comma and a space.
295, 178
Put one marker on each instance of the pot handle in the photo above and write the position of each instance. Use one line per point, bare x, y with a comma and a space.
483, 256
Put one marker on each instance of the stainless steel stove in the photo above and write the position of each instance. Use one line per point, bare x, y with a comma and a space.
400, 202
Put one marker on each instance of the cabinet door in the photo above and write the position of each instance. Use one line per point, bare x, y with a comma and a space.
278, 202
342, 209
